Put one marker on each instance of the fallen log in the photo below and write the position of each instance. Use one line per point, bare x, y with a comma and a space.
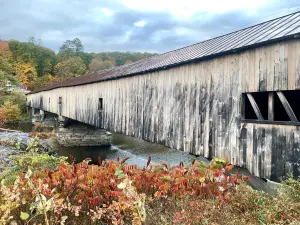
8, 130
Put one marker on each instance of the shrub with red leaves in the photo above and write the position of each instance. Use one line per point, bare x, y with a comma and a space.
112, 191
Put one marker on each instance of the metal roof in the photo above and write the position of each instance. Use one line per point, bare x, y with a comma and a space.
281, 28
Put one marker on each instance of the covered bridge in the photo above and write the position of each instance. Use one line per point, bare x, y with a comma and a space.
235, 96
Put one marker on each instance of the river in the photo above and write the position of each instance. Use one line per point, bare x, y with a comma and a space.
137, 149
122, 146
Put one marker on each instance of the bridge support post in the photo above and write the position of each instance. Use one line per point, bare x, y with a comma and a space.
42, 115
36, 115
63, 122
31, 112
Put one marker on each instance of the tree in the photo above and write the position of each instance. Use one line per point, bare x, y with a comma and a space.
5, 77
128, 62
86, 57
73, 67
78, 45
120, 58
107, 64
35, 41
4, 50
42, 58
95, 65
26, 74
70, 48
7, 71
45, 80
6, 66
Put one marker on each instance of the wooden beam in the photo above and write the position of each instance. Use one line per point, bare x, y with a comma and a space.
255, 107
287, 106
271, 106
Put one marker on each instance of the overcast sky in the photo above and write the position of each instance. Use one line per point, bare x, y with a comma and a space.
133, 25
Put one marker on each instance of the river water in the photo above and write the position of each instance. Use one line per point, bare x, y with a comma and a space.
122, 146
137, 149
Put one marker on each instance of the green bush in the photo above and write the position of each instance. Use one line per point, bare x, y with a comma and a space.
16, 99
291, 189
31, 160
37, 161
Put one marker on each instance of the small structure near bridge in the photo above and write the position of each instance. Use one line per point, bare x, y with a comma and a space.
234, 96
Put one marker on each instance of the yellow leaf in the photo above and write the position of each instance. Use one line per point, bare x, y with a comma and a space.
24, 216
202, 179
121, 185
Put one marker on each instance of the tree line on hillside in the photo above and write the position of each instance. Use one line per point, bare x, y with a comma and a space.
35, 66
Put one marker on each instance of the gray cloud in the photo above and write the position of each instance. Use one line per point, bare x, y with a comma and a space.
55, 21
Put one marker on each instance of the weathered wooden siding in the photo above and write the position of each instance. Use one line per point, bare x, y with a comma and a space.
197, 107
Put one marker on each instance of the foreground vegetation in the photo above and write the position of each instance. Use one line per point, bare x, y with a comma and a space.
43, 189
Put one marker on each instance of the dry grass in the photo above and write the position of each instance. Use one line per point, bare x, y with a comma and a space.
244, 206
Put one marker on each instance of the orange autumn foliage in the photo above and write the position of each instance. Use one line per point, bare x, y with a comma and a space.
4, 50
2, 117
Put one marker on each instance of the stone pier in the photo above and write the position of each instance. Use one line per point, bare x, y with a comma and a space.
73, 133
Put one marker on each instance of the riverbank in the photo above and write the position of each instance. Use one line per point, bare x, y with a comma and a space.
13, 142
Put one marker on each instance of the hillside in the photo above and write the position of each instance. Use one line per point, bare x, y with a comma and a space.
32, 64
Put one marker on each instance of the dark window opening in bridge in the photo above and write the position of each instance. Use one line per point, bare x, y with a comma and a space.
293, 99
59, 106
100, 104
271, 107
279, 111
248, 111
41, 102
261, 100
49, 100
